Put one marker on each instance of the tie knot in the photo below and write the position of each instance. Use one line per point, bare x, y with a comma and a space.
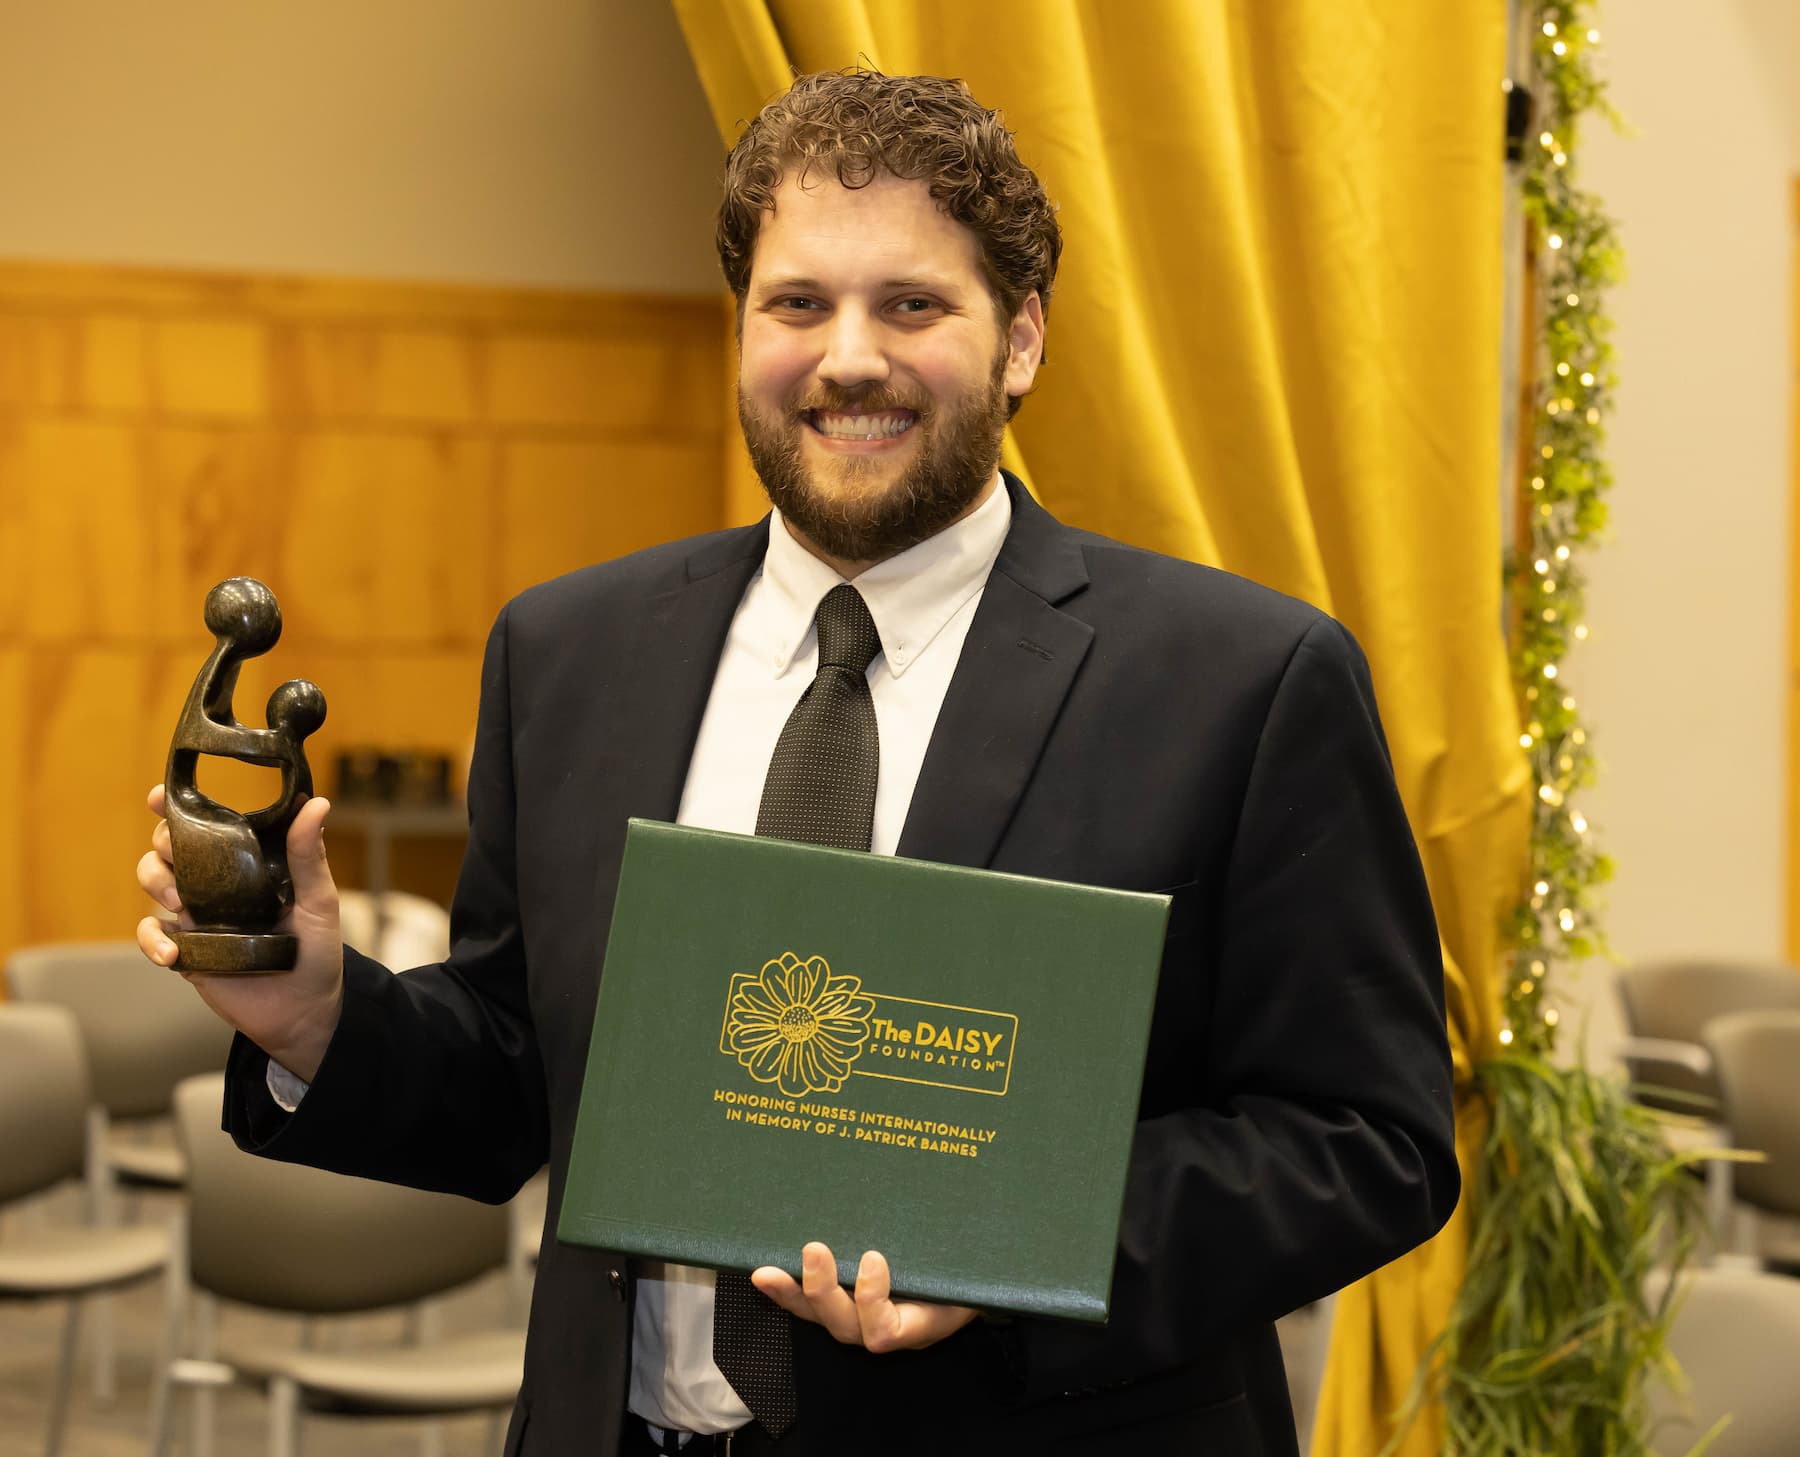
847, 636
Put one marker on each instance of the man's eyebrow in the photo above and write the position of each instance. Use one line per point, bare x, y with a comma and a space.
888, 285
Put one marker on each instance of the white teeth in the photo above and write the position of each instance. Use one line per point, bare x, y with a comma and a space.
861, 427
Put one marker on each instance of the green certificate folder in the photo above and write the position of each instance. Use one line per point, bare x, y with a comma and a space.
795, 1044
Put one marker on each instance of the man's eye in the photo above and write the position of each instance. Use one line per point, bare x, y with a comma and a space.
916, 305
796, 302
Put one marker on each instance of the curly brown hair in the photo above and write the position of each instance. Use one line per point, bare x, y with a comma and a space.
857, 124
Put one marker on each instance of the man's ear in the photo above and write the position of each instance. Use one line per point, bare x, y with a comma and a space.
1024, 345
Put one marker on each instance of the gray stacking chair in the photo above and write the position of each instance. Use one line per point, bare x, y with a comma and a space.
1667, 1006
1734, 1334
44, 1099
1756, 1058
143, 1030
307, 1243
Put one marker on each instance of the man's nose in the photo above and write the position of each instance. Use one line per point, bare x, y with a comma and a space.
854, 354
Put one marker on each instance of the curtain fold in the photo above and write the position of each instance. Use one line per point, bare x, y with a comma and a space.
1274, 347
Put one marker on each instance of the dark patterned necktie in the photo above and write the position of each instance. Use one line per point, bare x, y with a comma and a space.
820, 790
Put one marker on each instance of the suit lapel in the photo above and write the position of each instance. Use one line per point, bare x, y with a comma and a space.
674, 657
1017, 666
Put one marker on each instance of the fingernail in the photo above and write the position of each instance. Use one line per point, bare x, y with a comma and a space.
172, 898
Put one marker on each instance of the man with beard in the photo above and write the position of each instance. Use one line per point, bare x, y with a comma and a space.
1046, 702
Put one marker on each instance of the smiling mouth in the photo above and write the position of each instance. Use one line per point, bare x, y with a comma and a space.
882, 425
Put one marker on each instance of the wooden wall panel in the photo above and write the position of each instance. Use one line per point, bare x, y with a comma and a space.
394, 460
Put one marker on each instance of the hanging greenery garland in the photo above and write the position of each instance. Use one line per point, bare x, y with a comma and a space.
1554, 1335
1566, 478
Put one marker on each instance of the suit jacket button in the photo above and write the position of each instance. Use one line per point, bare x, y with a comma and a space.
616, 1278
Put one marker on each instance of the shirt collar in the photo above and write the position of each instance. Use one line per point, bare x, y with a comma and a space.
911, 596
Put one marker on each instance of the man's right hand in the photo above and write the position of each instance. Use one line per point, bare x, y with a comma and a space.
290, 1014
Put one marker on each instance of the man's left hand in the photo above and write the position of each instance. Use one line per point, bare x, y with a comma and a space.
869, 1317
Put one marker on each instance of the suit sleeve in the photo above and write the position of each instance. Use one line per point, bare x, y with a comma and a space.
433, 1077
1321, 1143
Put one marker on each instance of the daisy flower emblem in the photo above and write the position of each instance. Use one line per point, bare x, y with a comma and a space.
798, 1025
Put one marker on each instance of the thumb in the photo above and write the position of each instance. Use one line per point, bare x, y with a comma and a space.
306, 855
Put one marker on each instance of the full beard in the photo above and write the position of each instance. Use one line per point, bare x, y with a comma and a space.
863, 520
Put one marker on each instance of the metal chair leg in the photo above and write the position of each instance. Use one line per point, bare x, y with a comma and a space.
64, 1380
206, 1347
103, 1213
1719, 1207
175, 1284
284, 1417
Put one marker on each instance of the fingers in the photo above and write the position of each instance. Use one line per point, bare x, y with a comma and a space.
870, 1317
153, 940
157, 879
817, 1297
878, 1318
157, 800
313, 885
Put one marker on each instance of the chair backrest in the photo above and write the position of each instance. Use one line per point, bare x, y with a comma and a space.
303, 1240
414, 931
1676, 999
43, 1100
1756, 1056
1734, 1331
143, 1027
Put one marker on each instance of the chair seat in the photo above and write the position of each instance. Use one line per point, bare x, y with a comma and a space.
147, 1165
466, 1373
73, 1261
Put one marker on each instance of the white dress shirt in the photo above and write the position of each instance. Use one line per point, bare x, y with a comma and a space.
923, 602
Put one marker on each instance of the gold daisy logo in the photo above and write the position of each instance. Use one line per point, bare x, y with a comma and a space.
798, 1025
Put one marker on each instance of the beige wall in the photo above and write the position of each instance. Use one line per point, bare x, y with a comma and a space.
1684, 678
563, 143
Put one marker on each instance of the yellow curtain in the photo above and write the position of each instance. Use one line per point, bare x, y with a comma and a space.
1274, 347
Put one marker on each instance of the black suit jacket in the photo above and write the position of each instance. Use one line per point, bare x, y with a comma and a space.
1117, 718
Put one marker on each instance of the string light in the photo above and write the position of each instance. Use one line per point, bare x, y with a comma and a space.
1554, 240
1506, 1037
1549, 27
1587, 378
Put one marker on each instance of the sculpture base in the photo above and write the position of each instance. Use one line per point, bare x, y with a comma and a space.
232, 953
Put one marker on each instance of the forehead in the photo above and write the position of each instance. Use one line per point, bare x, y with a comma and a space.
892, 225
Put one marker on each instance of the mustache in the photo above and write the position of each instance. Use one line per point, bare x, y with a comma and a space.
869, 400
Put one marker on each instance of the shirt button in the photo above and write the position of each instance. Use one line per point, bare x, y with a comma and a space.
616, 1278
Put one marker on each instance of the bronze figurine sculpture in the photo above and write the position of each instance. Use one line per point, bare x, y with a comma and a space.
231, 868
